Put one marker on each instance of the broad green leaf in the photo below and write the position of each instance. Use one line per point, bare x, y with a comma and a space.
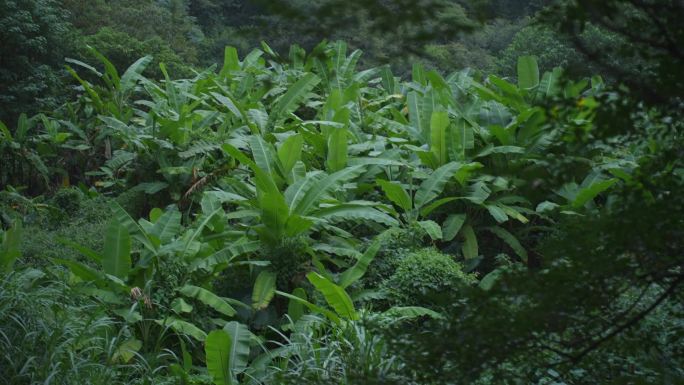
296, 225
545, 206
510, 240
263, 154
432, 229
364, 161
488, 281
438, 136
10, 248
225, 255
354, 212
296, 191
259, 117
116, 258
167, 226
127, 350
322, 187
187, 357
512, 95
396, 194
418, 74
198, 231
420, 111
94, 96
290, 152
269, 50
230, 103
334, 295
497, 213
425, 211
217, 350
586, 194
337, 150
110, 69
231, 62
295, 309
549, 84
183, 327
388, 81
411, 312
212, 202
357, 271
264, 289
528, 72
84, 65
469, 248
297, 173
6, 134
239, 346
434, 184
294, 95
264, 181
478, 193
274, 213
180, 306
316, 309
500, 150
133, 73
460, 138
134, 229
155, 214
514, 213
452, 225
208, 298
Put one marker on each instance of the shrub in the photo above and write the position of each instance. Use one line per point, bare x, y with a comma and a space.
395, 244
85, 226
123, 49
550, 49
68, 200
424, 277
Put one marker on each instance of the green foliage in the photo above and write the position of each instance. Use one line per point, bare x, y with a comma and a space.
51, 333
116, 258
36, 37
334, 295
286, 173
85, 226
319, 352
123, 49
553, 49
550, 49
68, 200
160, 27
10, 247
427, 277
264, 290
395, 244
217, 348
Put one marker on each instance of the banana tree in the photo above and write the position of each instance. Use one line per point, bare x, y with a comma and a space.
124, 270
311, 202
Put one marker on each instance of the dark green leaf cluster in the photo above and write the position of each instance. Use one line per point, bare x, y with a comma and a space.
427, 277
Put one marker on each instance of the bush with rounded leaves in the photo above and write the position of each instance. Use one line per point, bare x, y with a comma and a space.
426, 276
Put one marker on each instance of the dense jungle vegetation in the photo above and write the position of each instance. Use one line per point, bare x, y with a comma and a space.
341, 192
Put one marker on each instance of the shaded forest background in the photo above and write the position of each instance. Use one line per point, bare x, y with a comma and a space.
486, 36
